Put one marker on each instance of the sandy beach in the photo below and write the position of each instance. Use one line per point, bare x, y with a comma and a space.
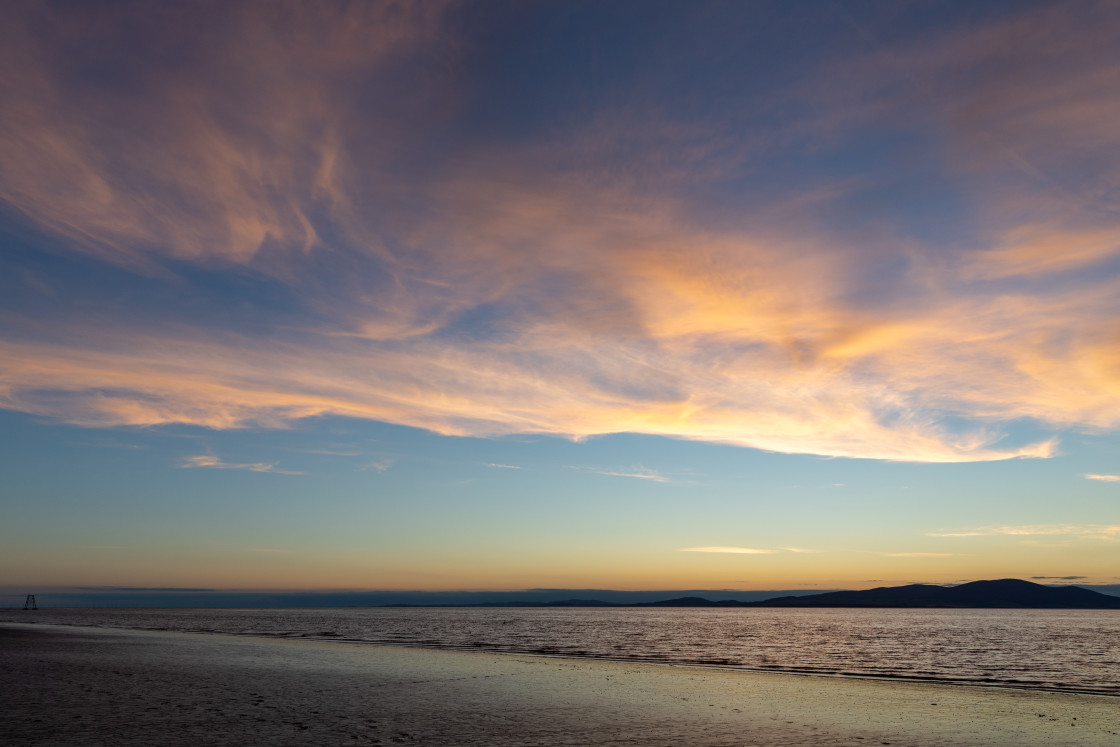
90, 686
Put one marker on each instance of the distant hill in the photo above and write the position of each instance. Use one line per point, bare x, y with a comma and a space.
698, 602
1006, 593
558, 603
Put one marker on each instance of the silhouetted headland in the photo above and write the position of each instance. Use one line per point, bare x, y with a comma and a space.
1005, 593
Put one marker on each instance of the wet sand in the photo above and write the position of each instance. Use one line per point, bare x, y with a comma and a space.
88, 686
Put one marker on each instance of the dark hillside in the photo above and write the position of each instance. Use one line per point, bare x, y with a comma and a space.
1008, 592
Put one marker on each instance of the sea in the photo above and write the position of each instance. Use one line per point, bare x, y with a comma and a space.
1057, 650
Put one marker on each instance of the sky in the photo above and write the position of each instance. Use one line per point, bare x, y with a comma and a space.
450, 296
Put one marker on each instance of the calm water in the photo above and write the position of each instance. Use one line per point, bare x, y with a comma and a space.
1072, 650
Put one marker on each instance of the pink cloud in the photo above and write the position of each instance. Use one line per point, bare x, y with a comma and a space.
613, 303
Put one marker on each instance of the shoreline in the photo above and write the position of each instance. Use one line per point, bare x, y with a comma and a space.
713, 666
73, 685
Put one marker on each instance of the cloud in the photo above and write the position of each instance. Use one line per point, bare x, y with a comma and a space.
574, 280
730, 550
919, 554
798, 549
1102, 478
1093, 531
1045, 249
500, 466
378, 465
463, 393
638, 473
212, 462
1058, 578
211, 152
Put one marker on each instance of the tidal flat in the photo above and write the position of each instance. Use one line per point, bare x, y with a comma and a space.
92, 686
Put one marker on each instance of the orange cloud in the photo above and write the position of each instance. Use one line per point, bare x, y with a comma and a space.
1031, 250
212, 462
688, 335
518, 289
1102, 478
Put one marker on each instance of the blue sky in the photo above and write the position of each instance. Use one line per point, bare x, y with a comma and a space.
451, 296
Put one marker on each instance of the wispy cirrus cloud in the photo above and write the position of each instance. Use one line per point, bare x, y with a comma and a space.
747, 550
1093, 531
209, 461
501, 466
637, 473
919, 554
1046, 249
1101, 478
561, 284
204, 186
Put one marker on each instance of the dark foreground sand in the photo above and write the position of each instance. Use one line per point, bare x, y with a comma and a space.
84, 686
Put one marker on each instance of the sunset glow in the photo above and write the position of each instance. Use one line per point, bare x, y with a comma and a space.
440, 295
